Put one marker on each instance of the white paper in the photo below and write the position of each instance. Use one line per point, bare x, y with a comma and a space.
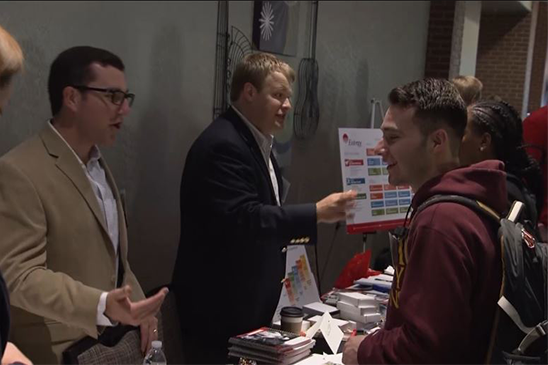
325, 359
331, 332
379, 205
317, 359
312, 330
338, 322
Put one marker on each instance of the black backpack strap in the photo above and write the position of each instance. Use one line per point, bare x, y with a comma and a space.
517, 190
485, 210
475, 205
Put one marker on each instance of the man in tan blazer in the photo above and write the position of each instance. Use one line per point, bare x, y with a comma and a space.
63, 241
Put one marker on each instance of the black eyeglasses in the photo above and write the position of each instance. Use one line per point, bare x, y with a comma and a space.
117, 96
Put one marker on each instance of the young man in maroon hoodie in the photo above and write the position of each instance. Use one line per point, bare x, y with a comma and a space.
448, 270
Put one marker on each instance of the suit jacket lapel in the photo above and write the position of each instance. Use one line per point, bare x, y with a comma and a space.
69, 165
247, 136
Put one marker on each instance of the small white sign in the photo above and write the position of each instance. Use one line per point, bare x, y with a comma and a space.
299, 285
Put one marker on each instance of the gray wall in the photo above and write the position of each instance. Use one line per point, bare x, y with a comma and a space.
364, 49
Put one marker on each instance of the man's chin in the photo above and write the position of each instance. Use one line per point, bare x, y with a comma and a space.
279, 124
277, 128
394, 181
108, 142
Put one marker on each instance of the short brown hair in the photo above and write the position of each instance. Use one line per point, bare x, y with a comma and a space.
72, 67
437, 105
255, 68
469, 88
11, 57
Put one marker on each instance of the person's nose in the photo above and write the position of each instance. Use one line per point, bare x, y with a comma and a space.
124, 108
287, 104
380, 148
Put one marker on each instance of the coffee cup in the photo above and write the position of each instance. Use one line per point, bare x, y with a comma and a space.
292, 319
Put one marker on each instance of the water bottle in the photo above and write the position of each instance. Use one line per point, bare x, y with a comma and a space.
155, 356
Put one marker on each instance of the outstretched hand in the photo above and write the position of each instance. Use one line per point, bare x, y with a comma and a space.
121, 309
334, 207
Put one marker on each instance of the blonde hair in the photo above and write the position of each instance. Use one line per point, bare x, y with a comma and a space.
254, 69
469, 88
11, 57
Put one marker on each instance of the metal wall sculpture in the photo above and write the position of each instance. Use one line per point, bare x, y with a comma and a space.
231, 49
307, 109
276, 26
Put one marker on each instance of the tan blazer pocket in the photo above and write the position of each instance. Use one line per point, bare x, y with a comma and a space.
45, 342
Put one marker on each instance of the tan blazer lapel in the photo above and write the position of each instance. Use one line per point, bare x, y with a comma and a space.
70, 166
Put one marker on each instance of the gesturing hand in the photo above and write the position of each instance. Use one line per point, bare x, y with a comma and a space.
334, 207
149, 333
121, 309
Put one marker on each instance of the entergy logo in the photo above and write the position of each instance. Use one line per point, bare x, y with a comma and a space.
351, 142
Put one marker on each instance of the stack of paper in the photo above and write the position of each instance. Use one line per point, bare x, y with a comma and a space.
270, 346
381, 282
361, 308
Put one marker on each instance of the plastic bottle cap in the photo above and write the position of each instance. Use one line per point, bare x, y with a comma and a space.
157, 344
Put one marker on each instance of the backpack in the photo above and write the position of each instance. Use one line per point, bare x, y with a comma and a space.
519, 334
529, 215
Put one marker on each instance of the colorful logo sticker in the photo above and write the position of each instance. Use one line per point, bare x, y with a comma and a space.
377, 204
404, 194
348, 162
375, 171
375, 187
373, 162
355, 181
376, 196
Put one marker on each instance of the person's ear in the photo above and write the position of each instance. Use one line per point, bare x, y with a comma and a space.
439, 139
485, 142
71, 98
249, 92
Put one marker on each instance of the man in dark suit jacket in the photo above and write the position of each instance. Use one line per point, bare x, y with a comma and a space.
234, 230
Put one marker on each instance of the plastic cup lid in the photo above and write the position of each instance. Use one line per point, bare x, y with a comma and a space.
291, 312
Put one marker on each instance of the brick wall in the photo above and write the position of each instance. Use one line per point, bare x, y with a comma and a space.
539, 58
502, 55
457, 39
440, 32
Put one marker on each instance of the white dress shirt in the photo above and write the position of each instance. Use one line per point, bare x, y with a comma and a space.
98, 180
265, 145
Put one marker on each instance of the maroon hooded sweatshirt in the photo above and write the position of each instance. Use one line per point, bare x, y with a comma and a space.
447, 279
